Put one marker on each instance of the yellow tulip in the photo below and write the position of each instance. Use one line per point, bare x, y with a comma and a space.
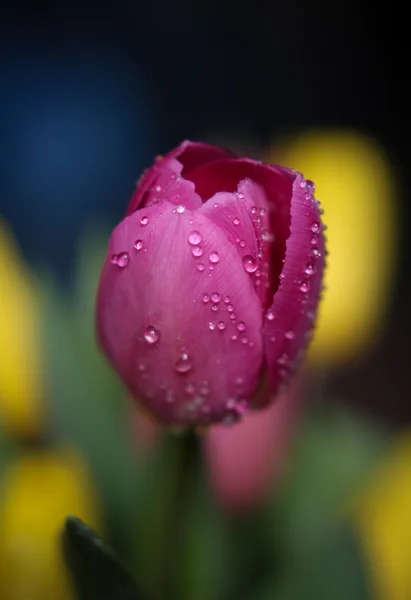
383, 520
21, 369
39, 490
355, 187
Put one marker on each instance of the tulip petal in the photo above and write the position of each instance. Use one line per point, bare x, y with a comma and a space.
244, 215
264, 186
289, 321
193, 359
163, 181
193, 154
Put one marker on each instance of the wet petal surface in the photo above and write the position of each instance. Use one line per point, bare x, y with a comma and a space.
179, 317
164, 180
290, 319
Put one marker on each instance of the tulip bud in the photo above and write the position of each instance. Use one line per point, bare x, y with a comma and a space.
211, 284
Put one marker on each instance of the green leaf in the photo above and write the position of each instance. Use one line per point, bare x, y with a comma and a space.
95, 571
334, 569
334, 453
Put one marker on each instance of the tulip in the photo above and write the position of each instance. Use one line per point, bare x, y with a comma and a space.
210, 289
22, 385
260, 445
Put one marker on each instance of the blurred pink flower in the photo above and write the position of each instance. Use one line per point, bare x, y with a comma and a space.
245, 462
211, 285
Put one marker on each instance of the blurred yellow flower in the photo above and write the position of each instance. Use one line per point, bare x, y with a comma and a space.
356, 190
39, 490
383, 520
21, 369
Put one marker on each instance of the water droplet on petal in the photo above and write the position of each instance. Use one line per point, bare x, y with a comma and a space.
204, 389
254, 210
290, 335
310, 185
315, 227
214, 307
190, 388
304, 287
197, 251
283, 360
151, 335
144, 220
216, 297
214, 257
221, 325
236, 221
242, 244
227, 299
169, 397
230, 308
315, 253
244, 340
267, 236
183, 364
249, 263
195, 238
200, 267
270, 315
230, 420
205, 298
180, 209
123, 260
309, 269
114, 259
139, 244
241, 326
211, 326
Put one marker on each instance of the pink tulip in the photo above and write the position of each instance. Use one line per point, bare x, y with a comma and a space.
211, 285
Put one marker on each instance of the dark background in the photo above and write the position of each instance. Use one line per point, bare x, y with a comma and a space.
91, 92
